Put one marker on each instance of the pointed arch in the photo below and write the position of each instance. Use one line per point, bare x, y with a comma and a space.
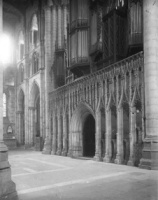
34, 30
35, 110
21, 97
34, 93
77, 123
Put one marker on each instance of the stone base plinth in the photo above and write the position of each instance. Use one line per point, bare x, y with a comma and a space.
64, 153
149, 158
76, 151
46, 152
130, 162
53, 152
107, 159
97, 157
118, 160
69, 154
7, 187
58, 153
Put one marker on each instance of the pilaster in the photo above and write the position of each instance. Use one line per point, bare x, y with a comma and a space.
47, 145
119, 155
54, 140
31, 125
150, 151
59, 27
107, 157
65, 136
98, 137
132, 135
59, 151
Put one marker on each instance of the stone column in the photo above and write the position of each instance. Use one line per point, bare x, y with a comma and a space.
32, 137
65, 135
26, 83
41, 74
150, 24
132, 135
47, 145
17, 127
26, 87
54, 141
29, 135
59, 27
59, 136
54, 39
98, 137
65, 21
19, 118
7, 187
119, 155
107, 157
22, 131
70, 133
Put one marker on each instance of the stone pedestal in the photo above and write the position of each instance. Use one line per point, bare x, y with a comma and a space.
150, 154
7, 187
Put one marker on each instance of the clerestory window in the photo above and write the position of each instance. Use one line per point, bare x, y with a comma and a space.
34, 31
21, 45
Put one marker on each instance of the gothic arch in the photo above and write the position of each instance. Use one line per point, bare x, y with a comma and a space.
76, 128
34, 93
21, 97
34, 29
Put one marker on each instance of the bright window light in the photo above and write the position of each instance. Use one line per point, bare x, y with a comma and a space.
6, 49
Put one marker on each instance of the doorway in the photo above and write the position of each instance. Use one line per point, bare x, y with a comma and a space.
89, 136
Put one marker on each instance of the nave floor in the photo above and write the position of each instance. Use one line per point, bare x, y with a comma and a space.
49, 177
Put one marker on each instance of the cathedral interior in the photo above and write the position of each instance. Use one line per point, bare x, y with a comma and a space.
74, 84
82, 79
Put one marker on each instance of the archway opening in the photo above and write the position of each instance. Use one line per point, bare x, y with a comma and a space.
113, 132
37, 108
103, 128
89, 136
